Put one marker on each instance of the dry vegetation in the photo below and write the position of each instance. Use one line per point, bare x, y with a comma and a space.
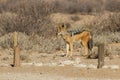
37, 30
42, 51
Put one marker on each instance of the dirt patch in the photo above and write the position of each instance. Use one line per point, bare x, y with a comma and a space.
55, 66
57, 73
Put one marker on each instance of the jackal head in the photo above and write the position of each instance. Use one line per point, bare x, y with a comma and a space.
61, 29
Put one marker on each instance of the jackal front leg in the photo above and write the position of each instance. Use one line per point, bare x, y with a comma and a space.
67, 49
71, 49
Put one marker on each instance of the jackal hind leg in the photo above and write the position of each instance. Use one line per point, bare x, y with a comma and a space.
85, 48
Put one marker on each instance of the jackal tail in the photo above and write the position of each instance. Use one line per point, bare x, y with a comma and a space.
90, 44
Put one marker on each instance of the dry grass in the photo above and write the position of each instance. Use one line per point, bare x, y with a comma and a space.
30, 17
32, 42
86, 6
35, 21
2, 1
42, 44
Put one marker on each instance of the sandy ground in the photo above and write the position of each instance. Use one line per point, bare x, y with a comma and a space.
54, 66
57, 73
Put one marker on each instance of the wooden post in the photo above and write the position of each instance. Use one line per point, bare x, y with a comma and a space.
100, 55
16, 56
15, 38
16, 60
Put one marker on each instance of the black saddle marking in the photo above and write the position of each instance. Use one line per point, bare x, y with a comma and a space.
75, 32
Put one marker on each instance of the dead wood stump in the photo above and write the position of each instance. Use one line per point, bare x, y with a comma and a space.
16, 59
101, 52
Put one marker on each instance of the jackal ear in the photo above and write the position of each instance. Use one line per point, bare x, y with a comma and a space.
67, 25
63, 25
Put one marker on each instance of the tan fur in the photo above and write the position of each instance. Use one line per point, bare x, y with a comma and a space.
84, 37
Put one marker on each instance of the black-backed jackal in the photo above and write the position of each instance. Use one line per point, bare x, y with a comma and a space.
72, 36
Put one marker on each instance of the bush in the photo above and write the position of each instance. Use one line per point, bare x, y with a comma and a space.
86, 6
106, 38
105, 28
105, 23
112, 5
75, 6
33, 42
7, 22
75, 18
31, 17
